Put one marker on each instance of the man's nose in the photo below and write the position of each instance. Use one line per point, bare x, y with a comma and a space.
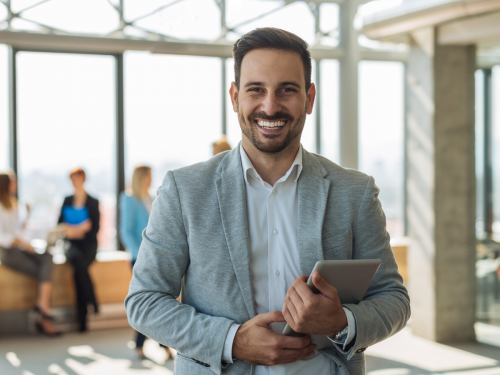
270, 104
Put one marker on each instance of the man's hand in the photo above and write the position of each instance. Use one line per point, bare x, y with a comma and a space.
256, 343
314, 314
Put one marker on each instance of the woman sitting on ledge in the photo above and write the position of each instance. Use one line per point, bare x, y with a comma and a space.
20, 256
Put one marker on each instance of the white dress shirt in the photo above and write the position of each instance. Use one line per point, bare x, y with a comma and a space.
275, 262
10, 227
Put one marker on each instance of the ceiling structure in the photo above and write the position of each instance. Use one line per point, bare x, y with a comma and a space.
28, 27
459, 22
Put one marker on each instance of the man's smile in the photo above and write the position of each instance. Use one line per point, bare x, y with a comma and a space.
274, 126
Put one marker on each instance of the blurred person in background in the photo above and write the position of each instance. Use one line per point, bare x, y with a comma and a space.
221, 145
17, 254
135, 208
83, 244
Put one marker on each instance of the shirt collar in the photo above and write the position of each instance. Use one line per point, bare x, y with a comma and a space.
249, 169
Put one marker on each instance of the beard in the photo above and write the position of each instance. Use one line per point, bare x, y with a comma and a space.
273, 145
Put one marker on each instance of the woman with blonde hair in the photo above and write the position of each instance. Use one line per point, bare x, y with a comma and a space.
135, 208
17, 254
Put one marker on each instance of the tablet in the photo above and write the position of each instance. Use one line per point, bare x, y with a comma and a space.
351, 278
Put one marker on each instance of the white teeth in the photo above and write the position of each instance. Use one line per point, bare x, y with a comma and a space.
271, 124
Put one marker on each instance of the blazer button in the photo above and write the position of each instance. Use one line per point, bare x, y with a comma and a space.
360, 350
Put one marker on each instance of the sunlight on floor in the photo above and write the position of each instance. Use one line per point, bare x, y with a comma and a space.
433, 357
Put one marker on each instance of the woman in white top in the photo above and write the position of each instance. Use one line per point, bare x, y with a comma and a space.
20, 256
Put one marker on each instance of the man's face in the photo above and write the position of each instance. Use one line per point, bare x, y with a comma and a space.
272, 101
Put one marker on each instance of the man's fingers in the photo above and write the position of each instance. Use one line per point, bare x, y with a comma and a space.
295, 298
267, 318
292, 310
289, 318
326, 289
302, 289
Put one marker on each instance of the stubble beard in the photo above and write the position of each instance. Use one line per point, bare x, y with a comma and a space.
248, 127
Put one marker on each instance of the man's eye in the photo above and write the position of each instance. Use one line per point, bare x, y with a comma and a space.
289, 90
255, 89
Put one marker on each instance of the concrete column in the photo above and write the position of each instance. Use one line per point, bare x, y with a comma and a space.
348, 137
441, 188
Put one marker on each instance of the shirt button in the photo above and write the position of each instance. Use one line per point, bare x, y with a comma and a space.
275, 192
275, 231
277, 273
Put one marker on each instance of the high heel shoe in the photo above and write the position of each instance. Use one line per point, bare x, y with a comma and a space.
40, 329
40, 312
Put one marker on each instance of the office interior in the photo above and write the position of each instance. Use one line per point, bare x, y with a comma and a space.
408, 91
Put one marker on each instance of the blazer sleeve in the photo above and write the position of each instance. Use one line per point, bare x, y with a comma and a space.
386, 307
61, 219
95, 217
127, 225
151, 304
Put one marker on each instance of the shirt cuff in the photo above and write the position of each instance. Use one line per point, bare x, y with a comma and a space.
227, 354
351, 329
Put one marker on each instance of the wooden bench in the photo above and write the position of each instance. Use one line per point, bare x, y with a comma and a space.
400, 249
111, 274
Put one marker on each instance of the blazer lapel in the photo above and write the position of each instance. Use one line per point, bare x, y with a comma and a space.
312, 193
231, 193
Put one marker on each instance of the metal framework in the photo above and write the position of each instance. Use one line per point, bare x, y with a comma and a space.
488, 153
115, 43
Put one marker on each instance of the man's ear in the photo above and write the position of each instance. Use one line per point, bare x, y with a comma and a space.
233, 93
311, 96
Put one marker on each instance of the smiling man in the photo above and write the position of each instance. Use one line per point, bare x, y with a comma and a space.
238, 235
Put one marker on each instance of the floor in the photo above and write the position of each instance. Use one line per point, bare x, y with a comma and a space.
106, 352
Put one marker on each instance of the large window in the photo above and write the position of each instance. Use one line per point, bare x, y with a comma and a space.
381, 130
329, 99
172, 111
479, 129
495, 126
66, 119
4, 112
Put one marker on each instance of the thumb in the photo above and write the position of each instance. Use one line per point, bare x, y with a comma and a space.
267, 318
326, 289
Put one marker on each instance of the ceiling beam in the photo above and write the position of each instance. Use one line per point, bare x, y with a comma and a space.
412, 15
471, 31
101, 45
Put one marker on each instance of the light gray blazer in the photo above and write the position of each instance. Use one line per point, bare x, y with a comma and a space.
197, 243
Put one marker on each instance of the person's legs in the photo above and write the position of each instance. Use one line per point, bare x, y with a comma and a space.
139, 340
76, 257
89, 257
139, 337
38, 266
19, 260
45, 282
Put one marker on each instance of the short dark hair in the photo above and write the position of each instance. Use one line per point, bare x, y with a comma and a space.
271, 38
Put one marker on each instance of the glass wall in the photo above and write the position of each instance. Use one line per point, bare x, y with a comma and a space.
66, 119
495, 125
4, 110
381, 135
172, 111
479, 130
329, 97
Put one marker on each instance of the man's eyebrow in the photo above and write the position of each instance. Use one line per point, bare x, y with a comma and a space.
286, 83
290, 83
254, 83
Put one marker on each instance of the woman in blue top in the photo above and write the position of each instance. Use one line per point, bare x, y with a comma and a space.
135, 207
